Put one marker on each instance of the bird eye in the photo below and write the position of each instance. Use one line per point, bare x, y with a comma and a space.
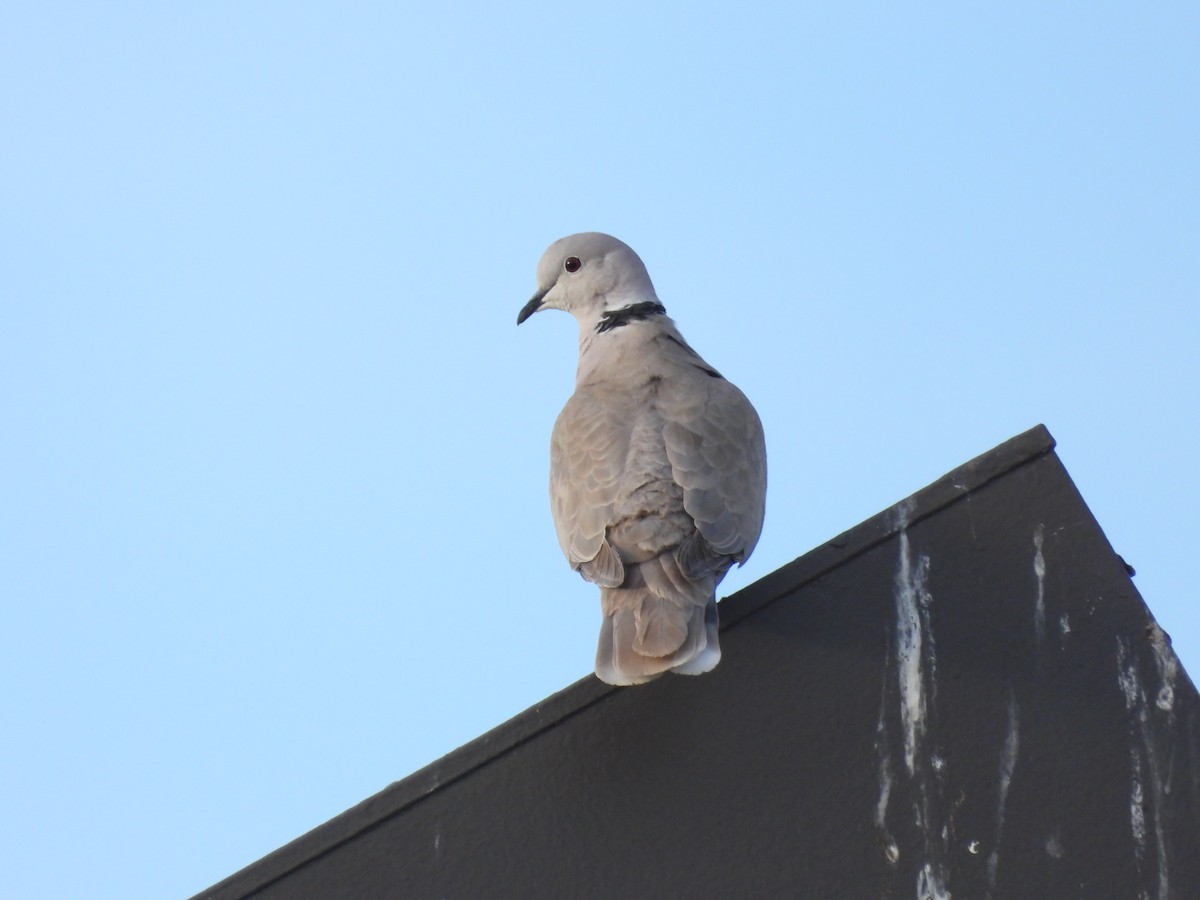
572, 264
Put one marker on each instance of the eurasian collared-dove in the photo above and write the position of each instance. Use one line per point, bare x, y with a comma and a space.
658, 469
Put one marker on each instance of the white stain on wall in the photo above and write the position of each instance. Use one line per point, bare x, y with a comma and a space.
1008, 764
910, 648
912, 657
1168, 670
891, 849
1039, 569
1054, 847
1149, 784
931, 883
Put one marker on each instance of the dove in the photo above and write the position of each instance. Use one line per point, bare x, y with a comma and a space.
658, 465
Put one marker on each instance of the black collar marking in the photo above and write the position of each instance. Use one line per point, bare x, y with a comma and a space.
615, 318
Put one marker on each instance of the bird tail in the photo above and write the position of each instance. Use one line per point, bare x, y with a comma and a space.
659, 620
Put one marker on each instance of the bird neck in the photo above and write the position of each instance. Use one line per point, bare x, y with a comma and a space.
619, 336
634, 312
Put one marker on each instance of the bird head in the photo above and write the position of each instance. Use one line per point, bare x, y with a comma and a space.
587, 275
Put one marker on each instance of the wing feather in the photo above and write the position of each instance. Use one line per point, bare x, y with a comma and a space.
715, 444
587, 451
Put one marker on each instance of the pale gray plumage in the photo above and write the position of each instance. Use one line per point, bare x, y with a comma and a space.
658, 469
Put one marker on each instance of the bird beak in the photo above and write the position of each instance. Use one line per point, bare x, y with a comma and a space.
534, 304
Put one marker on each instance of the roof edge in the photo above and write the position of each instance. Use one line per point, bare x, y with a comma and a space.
950, 488
398, 796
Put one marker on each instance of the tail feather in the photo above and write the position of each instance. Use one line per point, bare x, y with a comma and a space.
660, 625
710, 649
658, 621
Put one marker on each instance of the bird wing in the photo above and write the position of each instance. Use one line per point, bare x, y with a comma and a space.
588, 448
714, 441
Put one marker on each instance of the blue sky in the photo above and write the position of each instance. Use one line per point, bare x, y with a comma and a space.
274, 530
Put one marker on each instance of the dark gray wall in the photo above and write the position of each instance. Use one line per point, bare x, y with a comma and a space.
964, 695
